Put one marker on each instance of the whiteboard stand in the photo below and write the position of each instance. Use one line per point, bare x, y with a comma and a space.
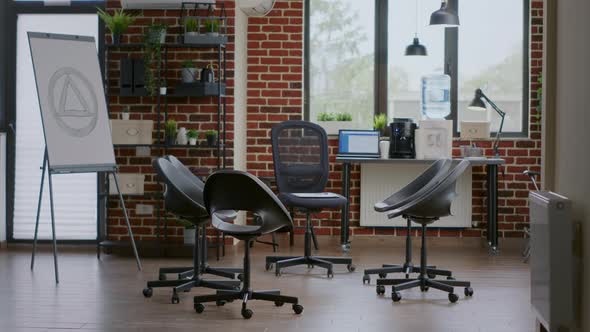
54, 241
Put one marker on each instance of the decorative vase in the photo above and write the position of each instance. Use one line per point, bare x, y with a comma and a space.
125, 116
189, 75
171, 140
181, 138
189, 236
192, 141
211, 140
116, 38
384, 149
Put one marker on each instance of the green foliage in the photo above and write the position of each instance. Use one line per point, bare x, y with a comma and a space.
380, 122
343, 117
152, 56
212, 25
539, 98
211, 133
170, 128
119, 22
326, 116
185, 223
192, 133
191, 25
188, 64
126, 109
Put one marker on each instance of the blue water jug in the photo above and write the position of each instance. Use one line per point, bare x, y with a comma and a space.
436, 96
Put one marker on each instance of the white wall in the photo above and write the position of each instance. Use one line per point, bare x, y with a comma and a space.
571, 121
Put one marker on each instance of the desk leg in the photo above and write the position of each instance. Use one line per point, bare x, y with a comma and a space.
492, 179
344, 222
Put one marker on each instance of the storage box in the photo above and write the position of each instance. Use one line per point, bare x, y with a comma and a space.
130, 184
132, 131
475, 129
434, 139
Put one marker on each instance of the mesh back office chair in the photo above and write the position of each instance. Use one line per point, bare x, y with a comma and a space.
431, 205
240, 191
425, 181
300, 155
184, 197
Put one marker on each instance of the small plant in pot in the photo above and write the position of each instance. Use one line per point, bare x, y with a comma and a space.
343, 117
171, 131
212, 27
211, 136
157, 33
189, 72
380, 123
191, 27
189, 231
125, 113
118, 23
192, 136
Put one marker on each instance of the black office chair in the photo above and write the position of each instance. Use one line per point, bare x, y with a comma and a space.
300, 155
431, 205
184, 198
424, 182
240, 191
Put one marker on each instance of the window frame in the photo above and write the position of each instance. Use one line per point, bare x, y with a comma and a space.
451, 65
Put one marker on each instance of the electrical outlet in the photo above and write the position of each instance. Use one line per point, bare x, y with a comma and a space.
143, 151
144, 209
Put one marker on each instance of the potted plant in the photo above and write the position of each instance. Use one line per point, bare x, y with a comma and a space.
171, 131
380, 123
211, 136
191, 27
333, 122
163, 88
152, 56
189, 231
118, 23
189, 72
212, 27
192, 135
125, 113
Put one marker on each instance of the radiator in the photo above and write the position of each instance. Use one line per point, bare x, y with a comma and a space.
378, 181
552, 260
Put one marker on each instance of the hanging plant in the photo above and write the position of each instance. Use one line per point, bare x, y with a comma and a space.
152, 56
539, 98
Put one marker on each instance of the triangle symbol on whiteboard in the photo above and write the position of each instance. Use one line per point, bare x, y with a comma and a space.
71, 101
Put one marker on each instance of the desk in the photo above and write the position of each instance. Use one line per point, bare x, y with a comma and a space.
492, 192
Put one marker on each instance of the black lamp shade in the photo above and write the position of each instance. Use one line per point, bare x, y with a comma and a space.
444, 16
416, 48
477, 104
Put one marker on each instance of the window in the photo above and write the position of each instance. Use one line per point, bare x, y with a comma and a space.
342, 63
342, 54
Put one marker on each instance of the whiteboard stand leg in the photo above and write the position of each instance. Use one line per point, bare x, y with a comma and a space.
39, 210
127, 220
53, 228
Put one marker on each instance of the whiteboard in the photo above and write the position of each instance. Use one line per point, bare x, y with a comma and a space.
72, 103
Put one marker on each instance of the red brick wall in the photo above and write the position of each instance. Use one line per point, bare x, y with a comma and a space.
189, 112
275, 52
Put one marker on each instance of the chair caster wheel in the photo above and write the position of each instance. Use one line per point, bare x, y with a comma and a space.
431, 276
268, 266
309, 266
380, 289
298, 309
351, 267
468, 291
424, 288
175, 299
453, 297
148, 292
366, 279
330, 274
199, 308
240, 277
277, 272
382, 275
450, 278
279, 303
162, 277
247, 313
396, 296
220, 303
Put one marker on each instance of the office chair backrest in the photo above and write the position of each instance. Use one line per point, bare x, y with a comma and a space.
182, 197
241, 191
436, 202
432, 176
300, 155
185, 171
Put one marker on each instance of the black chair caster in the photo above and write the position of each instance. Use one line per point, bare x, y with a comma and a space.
175, 299
351, 267
424, 288
268, 266
247, 313
366, 279
382, 275
298, 309
148, 292
162, 277
468, 291
396, 296
199, 308
279, 304
220, 303
330, 274
453, 297
380, 289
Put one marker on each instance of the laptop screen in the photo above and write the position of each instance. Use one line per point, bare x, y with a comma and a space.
358, 142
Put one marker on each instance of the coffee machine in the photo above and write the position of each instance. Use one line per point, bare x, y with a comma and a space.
402, 144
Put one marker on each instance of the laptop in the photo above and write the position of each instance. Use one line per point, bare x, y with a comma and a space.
358, 143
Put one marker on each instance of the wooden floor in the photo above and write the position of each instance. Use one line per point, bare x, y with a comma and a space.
106, 295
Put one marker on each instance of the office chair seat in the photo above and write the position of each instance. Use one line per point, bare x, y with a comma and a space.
314, 203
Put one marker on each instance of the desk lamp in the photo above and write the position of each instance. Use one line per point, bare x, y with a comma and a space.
479, 104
